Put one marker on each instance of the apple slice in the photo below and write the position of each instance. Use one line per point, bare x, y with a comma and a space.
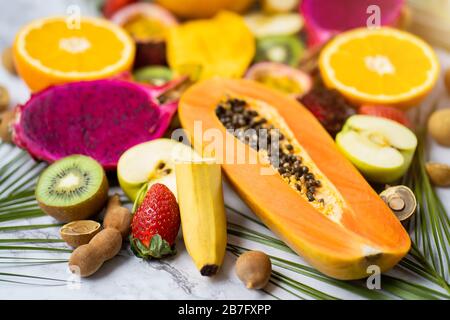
381, 149
152, 162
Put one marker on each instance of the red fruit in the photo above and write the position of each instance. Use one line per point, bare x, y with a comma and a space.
111, 6
329, 107
386, 112
155, 223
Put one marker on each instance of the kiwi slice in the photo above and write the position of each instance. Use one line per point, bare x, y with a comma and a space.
72, 188
281, 49
155, 75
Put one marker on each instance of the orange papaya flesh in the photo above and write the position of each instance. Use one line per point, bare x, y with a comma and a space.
345, 229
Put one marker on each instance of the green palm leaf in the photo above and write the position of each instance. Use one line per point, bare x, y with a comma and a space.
429, 227
35, 248
32, 284
31, 240
29, 227
31, 277
352, 286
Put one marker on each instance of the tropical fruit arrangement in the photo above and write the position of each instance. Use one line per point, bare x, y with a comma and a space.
172, 96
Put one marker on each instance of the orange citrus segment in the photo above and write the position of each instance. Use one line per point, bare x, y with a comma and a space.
379, 66
51, 51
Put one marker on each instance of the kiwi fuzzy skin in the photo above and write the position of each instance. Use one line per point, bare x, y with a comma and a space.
80, 211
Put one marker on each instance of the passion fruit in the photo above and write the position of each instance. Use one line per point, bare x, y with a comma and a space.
281, 77
147, 24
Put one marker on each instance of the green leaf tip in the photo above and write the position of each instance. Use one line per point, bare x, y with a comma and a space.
157, 249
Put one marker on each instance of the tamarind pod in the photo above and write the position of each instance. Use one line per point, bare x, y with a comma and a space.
88, 258
117, 217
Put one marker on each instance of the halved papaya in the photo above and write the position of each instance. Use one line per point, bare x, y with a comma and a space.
312, 197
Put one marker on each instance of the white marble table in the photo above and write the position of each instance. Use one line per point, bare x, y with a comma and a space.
127, 277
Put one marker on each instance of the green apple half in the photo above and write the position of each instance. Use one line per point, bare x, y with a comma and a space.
152, 162
380, 148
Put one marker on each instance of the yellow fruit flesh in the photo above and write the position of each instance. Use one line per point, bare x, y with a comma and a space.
143, 28
55, 50
88, 49
379, 66
203, 220
222, 46
282, 83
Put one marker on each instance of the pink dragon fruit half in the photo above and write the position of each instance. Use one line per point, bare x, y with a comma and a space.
100, 119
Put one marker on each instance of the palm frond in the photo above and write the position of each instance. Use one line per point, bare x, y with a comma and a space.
29, 227
31, 240
282, 281
29, 263
410, 290
32, 284
393, 287
21, 215
35, 248
12, 261
430, 227
6, 274
30, 258
280, 278
17, 198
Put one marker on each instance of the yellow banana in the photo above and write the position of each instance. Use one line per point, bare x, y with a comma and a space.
203, 220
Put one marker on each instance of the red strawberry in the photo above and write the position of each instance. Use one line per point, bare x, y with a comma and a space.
112, 6
386, 112
155, 224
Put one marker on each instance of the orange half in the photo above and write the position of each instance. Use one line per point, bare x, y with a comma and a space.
57, 50
380, 66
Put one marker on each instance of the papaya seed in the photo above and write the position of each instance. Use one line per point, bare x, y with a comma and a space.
236, 114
